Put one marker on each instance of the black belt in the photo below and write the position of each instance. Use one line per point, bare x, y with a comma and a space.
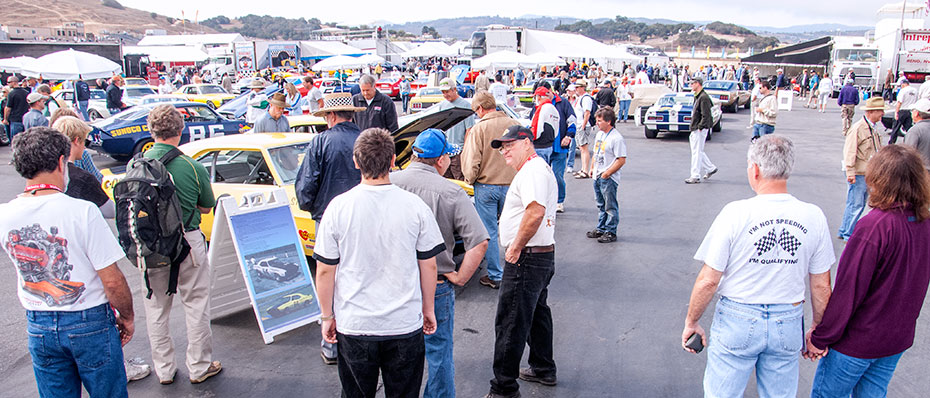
538, 249
441, 278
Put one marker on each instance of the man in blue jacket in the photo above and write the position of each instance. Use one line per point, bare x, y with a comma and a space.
328, 169
848, 99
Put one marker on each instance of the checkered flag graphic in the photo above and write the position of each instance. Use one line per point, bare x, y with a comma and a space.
766, 243
788, 242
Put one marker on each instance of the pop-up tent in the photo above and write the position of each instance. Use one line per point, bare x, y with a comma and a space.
15, 64
503, 60
338, 62
70, 65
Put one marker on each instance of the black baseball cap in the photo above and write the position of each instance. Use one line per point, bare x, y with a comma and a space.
513, 133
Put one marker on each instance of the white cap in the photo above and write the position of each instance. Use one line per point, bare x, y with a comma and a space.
922, 105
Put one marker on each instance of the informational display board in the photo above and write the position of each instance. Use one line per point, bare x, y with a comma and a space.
245, 58
785, 100
268, 258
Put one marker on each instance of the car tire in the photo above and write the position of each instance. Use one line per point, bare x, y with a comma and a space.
94, 115
210, 105
747, 106
143, 146
716, 128
651, 133
735, 107
4, 138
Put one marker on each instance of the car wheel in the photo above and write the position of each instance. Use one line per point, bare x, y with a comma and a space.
143, 146
4, 138
651, 133
747, 106
716, 128
94, 115
210, 105
49, 301
735, 107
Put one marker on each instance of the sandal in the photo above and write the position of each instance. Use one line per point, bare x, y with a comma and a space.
581, 174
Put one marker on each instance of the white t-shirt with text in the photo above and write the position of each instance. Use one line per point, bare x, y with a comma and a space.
608, 147
533, 183
582, 104
499, 91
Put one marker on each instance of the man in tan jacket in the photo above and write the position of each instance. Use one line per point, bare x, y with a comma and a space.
862, 142
485, 168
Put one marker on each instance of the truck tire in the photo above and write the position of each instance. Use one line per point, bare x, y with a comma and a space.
716, 128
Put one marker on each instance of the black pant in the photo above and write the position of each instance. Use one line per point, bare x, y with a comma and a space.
523, 317
399, 359
904, 121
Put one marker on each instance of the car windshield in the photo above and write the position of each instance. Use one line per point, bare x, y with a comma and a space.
136, 92
133, 113
672, 100
153, 100
212, 89
718, 85
98, 95
863, 55
387, 80
138, 81
287, 160
429, 91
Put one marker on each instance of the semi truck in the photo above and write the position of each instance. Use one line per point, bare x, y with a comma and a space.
859, 55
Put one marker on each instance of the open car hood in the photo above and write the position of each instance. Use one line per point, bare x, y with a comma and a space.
406, 134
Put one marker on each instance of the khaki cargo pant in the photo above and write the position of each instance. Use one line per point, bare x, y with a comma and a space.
848, 112
194, 291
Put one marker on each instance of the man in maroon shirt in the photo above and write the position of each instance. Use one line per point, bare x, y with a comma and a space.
881, 282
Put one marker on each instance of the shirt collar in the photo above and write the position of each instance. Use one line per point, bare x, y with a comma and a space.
422, 167
871, 125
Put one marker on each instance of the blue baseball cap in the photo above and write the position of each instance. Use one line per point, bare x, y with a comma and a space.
432, 143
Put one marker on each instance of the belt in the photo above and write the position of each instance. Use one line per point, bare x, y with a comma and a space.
538, 249
440, 279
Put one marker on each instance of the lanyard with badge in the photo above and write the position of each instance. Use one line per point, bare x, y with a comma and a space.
32, 189
599, 147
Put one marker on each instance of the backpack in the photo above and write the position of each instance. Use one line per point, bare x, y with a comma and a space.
148, 217
566, 111
592, 121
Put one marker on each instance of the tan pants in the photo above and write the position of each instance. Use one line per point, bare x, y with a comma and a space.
848, 112
194, 291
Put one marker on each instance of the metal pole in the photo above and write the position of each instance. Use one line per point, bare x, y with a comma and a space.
900, 39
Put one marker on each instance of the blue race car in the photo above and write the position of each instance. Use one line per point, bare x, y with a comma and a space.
672, 113
126, 133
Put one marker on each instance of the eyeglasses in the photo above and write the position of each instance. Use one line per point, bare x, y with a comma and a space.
506, 147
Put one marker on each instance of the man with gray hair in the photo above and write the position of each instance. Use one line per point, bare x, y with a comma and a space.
919, 134
379, 108
756, 255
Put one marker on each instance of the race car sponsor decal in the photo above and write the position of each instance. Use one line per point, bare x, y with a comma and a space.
129, 130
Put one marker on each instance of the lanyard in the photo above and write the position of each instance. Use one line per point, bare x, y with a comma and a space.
39, 187
533, 155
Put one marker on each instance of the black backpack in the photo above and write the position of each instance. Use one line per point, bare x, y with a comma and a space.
148, 217
592, 121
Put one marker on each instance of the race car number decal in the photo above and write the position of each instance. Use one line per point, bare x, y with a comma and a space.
200, 132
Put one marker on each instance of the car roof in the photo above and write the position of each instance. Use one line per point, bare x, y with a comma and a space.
247, 141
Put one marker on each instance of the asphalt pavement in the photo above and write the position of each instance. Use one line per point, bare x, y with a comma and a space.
618, 308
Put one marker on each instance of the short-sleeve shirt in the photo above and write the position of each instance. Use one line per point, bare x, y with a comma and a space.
192, 182
499, 91
454, 212
533, 183
907, 97
313, 97
457, 133
34, 118
608, 147
57, 244
16, 101
766, 246
375, 235
585, 103
268, 124
83, 185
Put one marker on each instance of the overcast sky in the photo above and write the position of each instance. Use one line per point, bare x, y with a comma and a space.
780, 13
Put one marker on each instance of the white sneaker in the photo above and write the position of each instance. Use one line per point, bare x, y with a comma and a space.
568, 169
137, 369
560, 208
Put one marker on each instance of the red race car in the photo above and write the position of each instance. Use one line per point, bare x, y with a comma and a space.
389, 86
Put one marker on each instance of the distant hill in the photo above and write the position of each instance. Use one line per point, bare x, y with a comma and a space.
462, 28
95, 15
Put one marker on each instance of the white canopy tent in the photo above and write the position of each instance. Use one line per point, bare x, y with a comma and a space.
430, 49
371, 59
338, 62
544, 59
503, 60
575, 46
70, 65
15, 64
323, 48
168, 53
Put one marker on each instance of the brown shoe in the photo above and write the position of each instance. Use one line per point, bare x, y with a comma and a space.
214, 369
493, 284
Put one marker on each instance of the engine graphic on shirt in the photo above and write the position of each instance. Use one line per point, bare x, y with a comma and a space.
42, 260
786, 241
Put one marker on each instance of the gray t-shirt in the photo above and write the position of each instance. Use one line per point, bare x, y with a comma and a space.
456, 134
34, 118
267, 124
608, 147
919, 137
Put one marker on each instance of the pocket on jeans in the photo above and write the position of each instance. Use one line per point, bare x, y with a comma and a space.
92, 350
790, 333
37, 349
732, 331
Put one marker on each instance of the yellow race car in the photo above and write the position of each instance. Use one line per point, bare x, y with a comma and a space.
211, 94
425, 98
307, 124
290, 303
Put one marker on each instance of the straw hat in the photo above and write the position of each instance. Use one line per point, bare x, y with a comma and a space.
336, 102
278, 100
873, 104
256, 83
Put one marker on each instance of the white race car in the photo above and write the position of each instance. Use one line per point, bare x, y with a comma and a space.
672, 113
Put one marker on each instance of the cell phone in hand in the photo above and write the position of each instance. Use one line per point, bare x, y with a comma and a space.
694, 342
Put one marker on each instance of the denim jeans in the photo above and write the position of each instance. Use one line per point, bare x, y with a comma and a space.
523, 318
624, 111
765, 338
399, 360
840, 375
405, 99
544, 153
15, 128
608, 212
557, 160
856, 197
441, 380
571, 155
82, 107
760, 129
489, 201
70, 348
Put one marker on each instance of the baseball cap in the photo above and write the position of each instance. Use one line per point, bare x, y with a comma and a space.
512, 133
432, 143
903, 80
922, 105
605, 83
698, 80
572, 86
446, 84
34, 97
542, 91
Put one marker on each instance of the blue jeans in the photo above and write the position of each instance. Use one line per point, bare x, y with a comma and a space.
765, 338
624, 109
73, 348
441, 381
608, 212
15, 128
840, 375
544, 153
489, 201
405, 99
571, 155
82, 107
760, 129
856, 197
557, 160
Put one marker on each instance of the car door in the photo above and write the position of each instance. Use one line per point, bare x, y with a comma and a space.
202, 122
234, 172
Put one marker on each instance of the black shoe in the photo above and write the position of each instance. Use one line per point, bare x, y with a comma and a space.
710, 173
529, 375
594, 234
493, 395
327, 360
493, 284
607, 237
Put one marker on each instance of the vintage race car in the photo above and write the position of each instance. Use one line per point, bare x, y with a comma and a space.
96, 107
525, 92
126, 133
389, 86
307, 124
248, 163
425, 98
159, 98
132, 95
672, 113
644, 96
330, 85
290, 303
211, 94
729, 94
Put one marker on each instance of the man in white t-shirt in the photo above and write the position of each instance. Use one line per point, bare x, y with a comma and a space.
499, 90
65, 255
584, 108
609, 157
757, 255
314, 97
527, 230
376, 276
907, 97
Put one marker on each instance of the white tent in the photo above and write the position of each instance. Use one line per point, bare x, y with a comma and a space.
544, 59
168, 53
503, 60
371, 59
318, 49
430, 49
15, 64
70, 65
338, 62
